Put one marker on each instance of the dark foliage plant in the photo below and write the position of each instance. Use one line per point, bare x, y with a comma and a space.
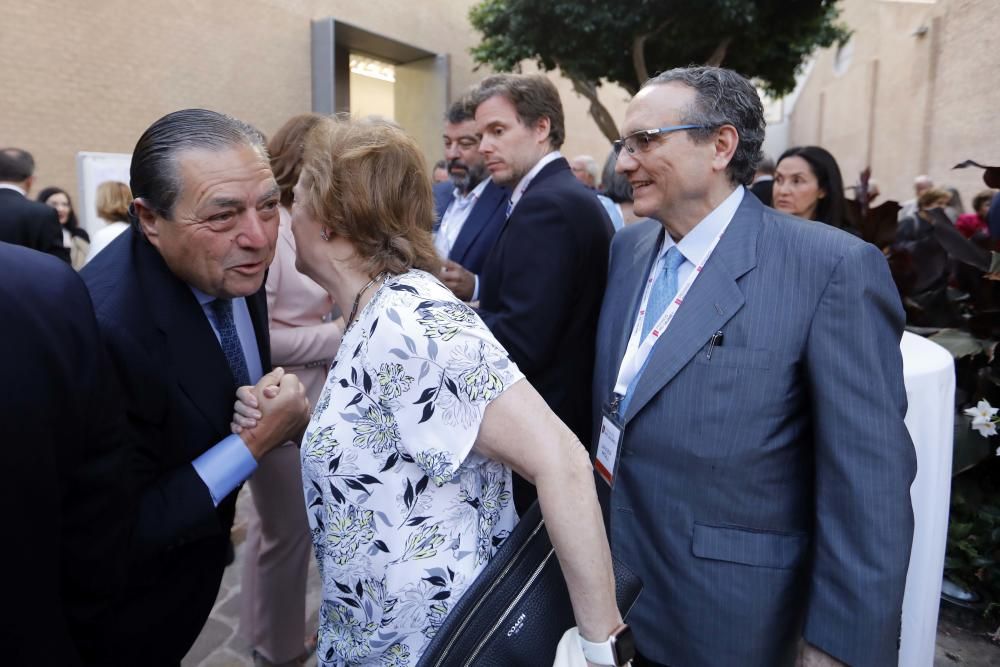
596, 41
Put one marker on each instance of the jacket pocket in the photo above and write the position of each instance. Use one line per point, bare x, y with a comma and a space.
735, 357
748, 547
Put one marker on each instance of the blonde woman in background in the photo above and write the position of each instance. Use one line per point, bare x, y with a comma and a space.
113, 199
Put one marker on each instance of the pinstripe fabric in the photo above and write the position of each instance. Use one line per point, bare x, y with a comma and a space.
763, 493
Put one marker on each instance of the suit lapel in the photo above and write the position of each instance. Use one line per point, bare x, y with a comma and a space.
713, 300
193, 353
622, 307
547, 172
480, 215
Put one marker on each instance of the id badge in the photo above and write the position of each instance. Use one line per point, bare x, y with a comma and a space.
609, 447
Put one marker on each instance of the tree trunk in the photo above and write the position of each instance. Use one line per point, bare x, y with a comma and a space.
715, 60
639, 58
605, 121
639, 55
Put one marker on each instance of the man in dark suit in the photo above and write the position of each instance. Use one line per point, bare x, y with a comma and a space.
180, 302
763, 181
22, 221
65, 531
542, 284
752, 453
470, 207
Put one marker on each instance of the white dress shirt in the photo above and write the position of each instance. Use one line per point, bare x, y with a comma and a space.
15, 188
103, 236
694, 245
455, 216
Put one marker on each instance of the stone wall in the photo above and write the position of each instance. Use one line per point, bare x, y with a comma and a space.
912, 94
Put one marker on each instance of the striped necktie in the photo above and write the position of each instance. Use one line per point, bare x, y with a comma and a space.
222, 311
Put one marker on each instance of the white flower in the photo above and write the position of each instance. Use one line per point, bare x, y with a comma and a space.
985, 430
982, 414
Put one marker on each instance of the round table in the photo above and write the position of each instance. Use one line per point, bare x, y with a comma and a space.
929, 376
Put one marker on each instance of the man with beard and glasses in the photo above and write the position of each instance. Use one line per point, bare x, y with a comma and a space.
470, 207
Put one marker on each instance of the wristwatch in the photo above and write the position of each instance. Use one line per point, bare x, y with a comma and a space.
616, 651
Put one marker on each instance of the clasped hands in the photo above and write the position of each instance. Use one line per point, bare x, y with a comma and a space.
270, 413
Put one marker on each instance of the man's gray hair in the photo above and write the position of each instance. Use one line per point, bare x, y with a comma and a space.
154, 175
589, 165
723, 97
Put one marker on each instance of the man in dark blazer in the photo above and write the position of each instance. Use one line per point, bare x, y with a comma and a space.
542, 284
763, 181
22, 221
470, 207
752, 429
65, 530
180, 303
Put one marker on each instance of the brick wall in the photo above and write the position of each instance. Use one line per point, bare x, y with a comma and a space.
90, 76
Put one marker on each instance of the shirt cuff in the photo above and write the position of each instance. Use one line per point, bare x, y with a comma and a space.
225, 466
475, 290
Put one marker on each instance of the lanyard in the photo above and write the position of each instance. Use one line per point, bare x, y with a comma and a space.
636, 353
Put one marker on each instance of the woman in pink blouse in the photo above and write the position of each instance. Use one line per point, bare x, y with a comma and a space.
304, 339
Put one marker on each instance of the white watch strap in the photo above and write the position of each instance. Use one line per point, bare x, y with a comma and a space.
599, 653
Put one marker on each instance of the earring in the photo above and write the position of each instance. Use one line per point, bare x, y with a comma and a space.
325, 234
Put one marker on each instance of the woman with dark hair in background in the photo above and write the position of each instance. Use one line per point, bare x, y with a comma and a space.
113, 200
304, 339
807, 184
74, 237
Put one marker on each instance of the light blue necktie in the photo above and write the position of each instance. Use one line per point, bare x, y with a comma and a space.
663, 291
222, 311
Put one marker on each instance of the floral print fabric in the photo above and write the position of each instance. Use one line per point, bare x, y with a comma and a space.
403, 513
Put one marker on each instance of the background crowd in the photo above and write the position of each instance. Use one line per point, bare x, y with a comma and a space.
456, 334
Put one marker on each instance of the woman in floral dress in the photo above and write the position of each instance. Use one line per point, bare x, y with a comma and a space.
407, 461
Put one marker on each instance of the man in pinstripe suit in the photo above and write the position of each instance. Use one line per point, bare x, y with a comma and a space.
755, 465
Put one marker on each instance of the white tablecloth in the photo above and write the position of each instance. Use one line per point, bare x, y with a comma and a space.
929, 376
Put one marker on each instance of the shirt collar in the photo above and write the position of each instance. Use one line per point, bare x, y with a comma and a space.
475, 193
696, 243
525, 181
11, 186
203, 299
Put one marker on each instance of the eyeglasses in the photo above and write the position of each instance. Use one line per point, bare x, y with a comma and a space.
640, 141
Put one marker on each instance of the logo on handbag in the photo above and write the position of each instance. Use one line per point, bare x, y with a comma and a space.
516, 628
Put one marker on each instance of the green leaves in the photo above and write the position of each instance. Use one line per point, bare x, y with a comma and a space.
594, 40
973, 550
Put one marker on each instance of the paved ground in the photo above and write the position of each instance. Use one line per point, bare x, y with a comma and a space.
220, 644
962, 638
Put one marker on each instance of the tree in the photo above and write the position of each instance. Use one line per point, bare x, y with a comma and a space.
592, 41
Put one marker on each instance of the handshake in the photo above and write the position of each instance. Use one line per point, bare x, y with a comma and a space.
271, 413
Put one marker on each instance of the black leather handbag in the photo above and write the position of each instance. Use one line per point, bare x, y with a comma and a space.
518, 608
